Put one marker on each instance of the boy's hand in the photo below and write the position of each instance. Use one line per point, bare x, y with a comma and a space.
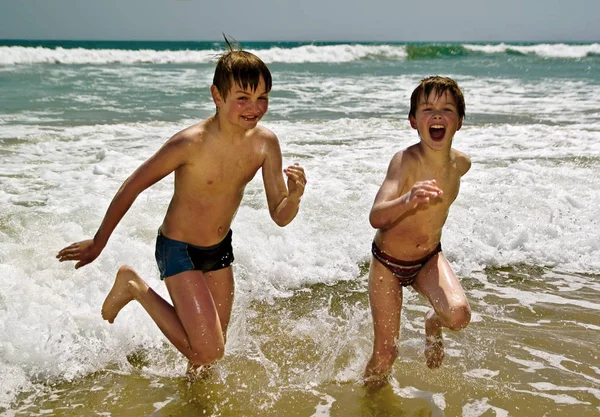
84, 252
422, 192
296, 180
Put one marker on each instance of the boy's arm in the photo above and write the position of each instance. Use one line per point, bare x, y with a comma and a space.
389, 204
283, 202
168, 158
463, 162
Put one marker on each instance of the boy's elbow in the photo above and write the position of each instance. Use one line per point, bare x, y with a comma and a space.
130, 188
282, 216
376, 223
279, 221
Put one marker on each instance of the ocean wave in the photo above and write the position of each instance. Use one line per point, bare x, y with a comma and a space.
544, 50
332, 53
428, 51
296, 54
14, 55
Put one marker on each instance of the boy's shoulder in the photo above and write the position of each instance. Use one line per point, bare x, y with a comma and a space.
206, 132
403, 161
264, 139
264, 133
194, 133
463, 162
413, 151
410, 155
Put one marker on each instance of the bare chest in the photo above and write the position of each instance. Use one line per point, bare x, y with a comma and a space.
448, 180
220, 171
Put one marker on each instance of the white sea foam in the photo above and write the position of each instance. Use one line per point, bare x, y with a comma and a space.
323, 409
11, 55
482, 373
528, 366
331, 53
545, 50
547, 386
557, 398
21, 55
436, 401
481, 407
489, 209
532, 197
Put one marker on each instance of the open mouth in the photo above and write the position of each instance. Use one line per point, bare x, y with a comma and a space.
250, 118
437, 132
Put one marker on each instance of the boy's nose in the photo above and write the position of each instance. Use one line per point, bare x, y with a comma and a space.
253, 105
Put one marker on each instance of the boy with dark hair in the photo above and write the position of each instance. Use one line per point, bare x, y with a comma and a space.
213, 161
409, 212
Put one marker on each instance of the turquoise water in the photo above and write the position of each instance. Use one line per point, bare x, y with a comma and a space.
76, 118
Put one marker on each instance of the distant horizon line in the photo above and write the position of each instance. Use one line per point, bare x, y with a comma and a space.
298, 40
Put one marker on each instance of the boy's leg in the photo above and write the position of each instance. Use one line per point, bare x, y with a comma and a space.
450, 308
222, 287
192, 324
198, 313
385, 297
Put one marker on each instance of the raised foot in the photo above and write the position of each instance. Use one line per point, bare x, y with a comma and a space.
198, 372
120, 294
434, 351
434, 346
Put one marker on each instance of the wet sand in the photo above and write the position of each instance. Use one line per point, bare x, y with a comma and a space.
529, 351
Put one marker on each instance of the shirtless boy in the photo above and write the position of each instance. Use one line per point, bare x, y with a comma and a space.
409, 212
213, 161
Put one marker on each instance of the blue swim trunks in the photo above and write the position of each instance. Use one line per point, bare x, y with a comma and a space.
174, 256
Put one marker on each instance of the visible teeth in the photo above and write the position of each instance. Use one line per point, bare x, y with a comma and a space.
437, 127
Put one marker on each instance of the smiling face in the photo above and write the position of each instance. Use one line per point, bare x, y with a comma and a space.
243, 107
241, 86
436, 118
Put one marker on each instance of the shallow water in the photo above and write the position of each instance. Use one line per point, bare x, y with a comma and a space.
523, 234
303, 355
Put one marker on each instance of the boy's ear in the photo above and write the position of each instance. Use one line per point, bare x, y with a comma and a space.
216, 96
459, 124
413, 121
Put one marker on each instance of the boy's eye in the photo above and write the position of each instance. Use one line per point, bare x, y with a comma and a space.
263, 98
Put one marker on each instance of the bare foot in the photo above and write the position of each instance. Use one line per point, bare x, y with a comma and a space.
120, 294
434, 346
198, 372
374, 382
434, 352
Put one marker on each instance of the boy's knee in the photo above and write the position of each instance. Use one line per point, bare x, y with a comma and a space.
207, 355
206, 358
460, 317
125, 270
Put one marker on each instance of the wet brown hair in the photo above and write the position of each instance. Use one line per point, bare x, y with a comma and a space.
439, 85
239, 67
